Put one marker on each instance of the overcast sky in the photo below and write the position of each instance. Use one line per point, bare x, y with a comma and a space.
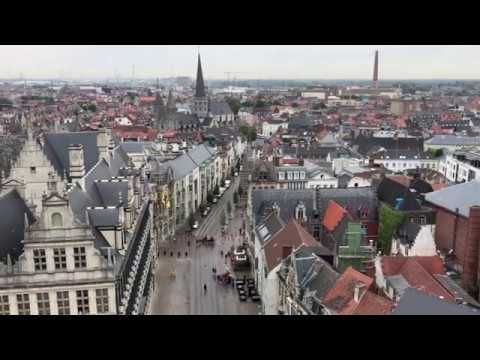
250, 61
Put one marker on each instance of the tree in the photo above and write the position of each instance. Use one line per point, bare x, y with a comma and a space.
235, 198
252, 135
223, 220
240, 191
389, 221
223, 183
232, 173
234, 104
216, 191
229, 207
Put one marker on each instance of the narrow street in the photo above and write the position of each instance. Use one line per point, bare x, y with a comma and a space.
184, 294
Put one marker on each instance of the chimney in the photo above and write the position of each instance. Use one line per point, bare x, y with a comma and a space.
356, 291
103, 143
77, 162
470, 267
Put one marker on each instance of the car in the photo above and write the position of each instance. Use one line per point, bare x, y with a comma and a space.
195, 225
215, 200
228, 183
236, 174
239, 252
222, 190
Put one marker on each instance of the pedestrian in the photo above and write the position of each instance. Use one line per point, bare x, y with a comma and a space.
188, 243
221, 252
179, 254
186, 254
205, 288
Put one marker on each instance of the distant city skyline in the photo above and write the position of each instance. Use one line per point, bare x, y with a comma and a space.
326, 62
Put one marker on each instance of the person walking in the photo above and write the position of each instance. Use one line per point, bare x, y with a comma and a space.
205, 288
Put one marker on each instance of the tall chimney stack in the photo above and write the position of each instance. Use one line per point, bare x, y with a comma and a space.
77, 162
375, 71
470, 267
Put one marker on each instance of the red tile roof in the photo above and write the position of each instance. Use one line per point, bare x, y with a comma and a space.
436, 187
333, 216
372, 304
418, 271
341, 297
293, 236
401, 179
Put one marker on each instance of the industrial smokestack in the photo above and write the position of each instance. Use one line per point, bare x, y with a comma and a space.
375, 71
470, 267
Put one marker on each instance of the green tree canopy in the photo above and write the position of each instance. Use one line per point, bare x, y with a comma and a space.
234, 104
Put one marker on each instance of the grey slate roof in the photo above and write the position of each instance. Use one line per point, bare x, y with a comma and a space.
414, 302
287, 200
104, 217
100, 172
351, 199
461, 196
220, 108
314, 273
119, 160
134, 147
453, 140
79, 201
56, 149
109, 192
12, 224
201, 153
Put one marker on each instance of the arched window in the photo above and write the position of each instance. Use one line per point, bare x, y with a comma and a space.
57, 220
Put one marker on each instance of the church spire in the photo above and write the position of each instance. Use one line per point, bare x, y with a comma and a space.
200, 89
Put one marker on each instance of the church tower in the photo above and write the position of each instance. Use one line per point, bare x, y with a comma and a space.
159, 111
200, 102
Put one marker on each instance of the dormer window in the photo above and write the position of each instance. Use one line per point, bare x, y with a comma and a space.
300, 212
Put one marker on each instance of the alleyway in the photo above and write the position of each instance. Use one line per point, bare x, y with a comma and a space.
185, 294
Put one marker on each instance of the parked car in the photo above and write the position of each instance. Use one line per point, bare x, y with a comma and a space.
228, 183
215, 199
195, 225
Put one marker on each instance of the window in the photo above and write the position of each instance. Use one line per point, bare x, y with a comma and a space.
33, 170
423, 220
82, 302
63, 303
23, 304
80, 257
40, 260
57, 220
43, 304
4, 305
60, 258
281, 176
102, 300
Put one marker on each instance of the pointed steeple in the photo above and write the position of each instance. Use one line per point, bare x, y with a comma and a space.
200, 89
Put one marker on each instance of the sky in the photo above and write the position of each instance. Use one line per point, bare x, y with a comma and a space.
248, 61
